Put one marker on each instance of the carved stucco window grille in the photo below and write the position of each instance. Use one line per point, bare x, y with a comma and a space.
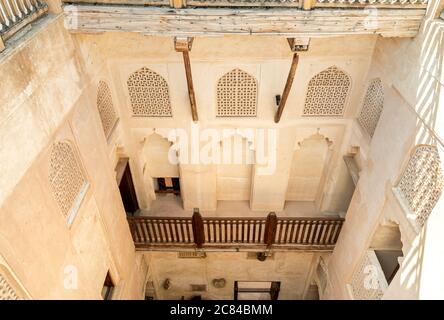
368, 281
321, 273
421, 184
236, 95
107, 113
327, 93
372, 107
67, 179
149, 94
7, 289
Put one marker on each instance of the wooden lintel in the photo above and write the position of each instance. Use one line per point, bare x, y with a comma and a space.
288, 84
184, 45
159, 21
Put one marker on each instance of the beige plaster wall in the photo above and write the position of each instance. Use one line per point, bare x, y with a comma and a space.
293, 269
48, 93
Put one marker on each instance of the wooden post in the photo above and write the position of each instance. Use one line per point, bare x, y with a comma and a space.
198, 228
290, 78
184, 45
308, 4
2, 45
270, 229
177, 3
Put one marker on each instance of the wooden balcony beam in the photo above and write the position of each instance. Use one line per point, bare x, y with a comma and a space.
161, 21
288, 84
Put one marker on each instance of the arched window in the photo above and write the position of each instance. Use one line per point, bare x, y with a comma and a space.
327, 93
236, 94
149, 94
105, 105
421, 183
66, 177
372, 107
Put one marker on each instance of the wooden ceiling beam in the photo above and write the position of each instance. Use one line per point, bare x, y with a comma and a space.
184, 45
220, 21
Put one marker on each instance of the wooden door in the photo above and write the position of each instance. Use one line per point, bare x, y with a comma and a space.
127, 191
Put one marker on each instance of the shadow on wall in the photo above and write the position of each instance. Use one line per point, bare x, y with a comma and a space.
428, 100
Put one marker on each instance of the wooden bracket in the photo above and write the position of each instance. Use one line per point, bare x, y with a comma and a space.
184, 45
299, 44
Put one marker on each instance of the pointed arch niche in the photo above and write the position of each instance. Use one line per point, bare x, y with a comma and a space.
307, 171
327, 93
234, 173
161, 176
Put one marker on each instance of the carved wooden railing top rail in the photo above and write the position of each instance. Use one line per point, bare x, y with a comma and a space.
271, 232
16, 14
306, 4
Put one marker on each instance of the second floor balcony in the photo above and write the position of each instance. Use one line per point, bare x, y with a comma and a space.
235, 233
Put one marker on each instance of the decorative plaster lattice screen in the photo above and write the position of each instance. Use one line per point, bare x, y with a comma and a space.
372, 107
105, 105
66, 177
149, 94
236, 95
321, 272
422, 183
368, 282
327, 93
7, 292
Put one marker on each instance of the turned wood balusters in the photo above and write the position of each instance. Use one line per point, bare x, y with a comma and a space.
292, 233
15, 14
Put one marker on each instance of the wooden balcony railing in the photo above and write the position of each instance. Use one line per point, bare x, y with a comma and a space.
16, 14
317, 233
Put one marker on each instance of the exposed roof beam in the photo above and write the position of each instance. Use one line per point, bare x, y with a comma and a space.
260, 21
288, 84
